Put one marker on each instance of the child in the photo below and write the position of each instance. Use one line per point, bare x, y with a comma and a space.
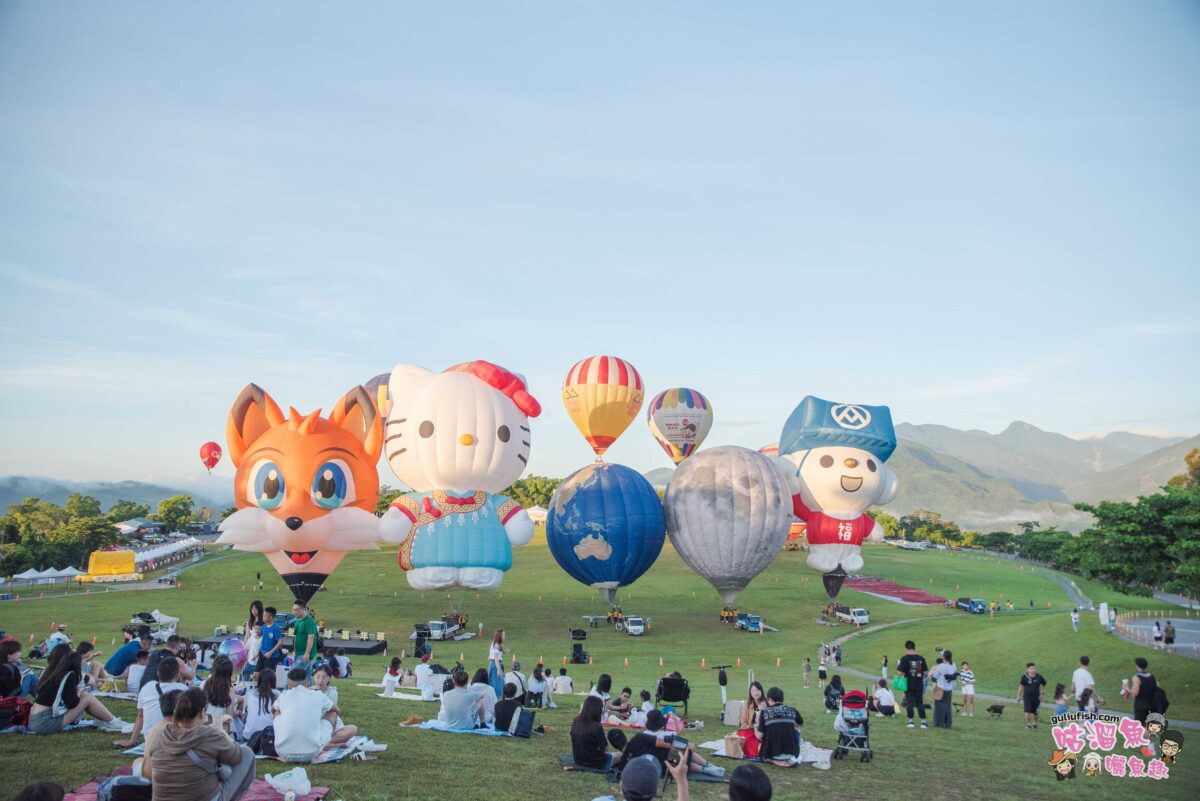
138, 669
253, 649
345, 668
391, 677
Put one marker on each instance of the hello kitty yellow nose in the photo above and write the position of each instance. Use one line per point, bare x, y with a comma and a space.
467, 439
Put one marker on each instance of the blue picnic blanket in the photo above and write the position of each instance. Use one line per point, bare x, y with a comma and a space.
438, 725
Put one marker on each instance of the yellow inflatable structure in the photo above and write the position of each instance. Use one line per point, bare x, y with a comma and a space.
104, 566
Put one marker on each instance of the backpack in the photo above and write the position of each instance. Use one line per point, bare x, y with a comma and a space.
1159, 702
124, 788
263, 742
14, 711
522, 724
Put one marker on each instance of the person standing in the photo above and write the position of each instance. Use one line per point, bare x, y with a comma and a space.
913, 667
883, 668
822, 673
1082, 680
304, 633
1075, 620
943, 676
496, 654
837, 656
807, 672
1169, 637
967, 677
1029, 691
1158, 636
270, 652
1143, 689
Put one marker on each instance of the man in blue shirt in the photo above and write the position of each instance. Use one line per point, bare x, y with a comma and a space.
118, 664
271, 653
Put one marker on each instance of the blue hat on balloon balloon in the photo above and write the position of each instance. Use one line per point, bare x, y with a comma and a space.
818, 423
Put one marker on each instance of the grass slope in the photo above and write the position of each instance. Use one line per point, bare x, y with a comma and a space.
977, 759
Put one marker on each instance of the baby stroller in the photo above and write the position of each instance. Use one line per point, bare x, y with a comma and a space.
853, 726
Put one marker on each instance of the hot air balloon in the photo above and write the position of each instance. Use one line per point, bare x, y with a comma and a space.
377, 388
679, 419
728, 510
605, 526
602, 394
210, 454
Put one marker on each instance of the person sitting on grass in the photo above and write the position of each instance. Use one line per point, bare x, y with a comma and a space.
424, 674
603, 688
305, 721
462, 708
392, 677
883, 702
749, 783
125, 657
186, 760
218, 688
258, 705
505, 709
620, 708
656, 742
59, 687
42, 791
93, 670
13, 680
518, 678
151, 699
321, 678
137, 672
171, 648
562, 683
539, 690
779, 731
487, 695
589, 746
833, 694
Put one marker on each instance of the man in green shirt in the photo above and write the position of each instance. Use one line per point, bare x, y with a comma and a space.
304, 644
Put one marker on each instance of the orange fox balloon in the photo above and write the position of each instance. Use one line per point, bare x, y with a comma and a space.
306, 485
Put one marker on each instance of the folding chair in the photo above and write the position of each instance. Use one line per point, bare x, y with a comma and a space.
672, 691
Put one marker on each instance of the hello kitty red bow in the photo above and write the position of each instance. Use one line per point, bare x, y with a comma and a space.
497, 377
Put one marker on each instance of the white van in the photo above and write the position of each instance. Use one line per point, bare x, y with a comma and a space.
635, 626
857, 615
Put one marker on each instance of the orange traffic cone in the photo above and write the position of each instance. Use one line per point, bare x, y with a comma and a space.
739, 664
461, 658
589, 661
626, 661
778, 662
541, 660
31, 638
660, 662
703, 663
93, 641
564, 660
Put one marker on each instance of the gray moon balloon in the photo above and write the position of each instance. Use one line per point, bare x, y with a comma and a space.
728, 511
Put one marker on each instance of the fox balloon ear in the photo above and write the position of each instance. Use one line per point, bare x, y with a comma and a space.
253, 414
889, 487
357, 414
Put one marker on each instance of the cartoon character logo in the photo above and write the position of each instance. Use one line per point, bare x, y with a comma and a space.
1092, 764
457, 438
306, 486
1156, 724
1063, 763
833, 455
1172, 744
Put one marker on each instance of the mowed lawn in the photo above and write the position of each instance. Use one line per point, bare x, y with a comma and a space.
538, 603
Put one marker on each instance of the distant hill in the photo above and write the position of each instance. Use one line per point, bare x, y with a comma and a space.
14, 489
1142, 476
659, 476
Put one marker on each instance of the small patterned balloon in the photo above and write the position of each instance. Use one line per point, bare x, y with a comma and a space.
235, 649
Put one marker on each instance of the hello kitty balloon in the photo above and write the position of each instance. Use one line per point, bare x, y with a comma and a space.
457, 438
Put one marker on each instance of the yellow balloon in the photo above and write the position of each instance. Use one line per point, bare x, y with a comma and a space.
602, 394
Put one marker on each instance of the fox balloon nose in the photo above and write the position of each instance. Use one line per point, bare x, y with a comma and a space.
293, 523
467, 439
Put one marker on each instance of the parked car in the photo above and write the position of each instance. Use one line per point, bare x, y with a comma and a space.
976, 606
748, 622
635, 626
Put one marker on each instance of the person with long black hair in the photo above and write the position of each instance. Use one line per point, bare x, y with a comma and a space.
57, 702
258, 705
187, 760
218, 688
833, 694
589, 746
755, 703
480, 685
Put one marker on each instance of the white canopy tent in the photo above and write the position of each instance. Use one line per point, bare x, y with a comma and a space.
160, 552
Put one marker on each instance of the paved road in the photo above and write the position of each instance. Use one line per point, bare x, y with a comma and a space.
1187, 631
873, 677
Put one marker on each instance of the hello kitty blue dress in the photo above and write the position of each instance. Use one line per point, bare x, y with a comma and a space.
456, 530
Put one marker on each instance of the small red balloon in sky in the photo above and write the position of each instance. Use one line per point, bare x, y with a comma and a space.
210, 454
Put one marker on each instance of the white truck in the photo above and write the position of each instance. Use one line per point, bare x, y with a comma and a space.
855, 615
635, 626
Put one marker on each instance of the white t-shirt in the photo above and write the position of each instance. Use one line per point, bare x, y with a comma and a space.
602, 696
496, 654
1081, 679
133, 678
253, 648
299, 730
488, 694
256, 719
148, 702
884, 697
563, 685
512, 677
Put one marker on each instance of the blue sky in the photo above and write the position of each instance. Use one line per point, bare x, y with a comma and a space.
971, 214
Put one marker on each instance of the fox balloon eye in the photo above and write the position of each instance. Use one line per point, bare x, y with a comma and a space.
502, 433
826, 461
330, 485
268, 485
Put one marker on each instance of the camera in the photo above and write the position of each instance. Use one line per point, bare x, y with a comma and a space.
187, 652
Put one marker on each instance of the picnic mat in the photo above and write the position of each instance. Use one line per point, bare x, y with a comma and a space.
405, 697
437, 725
809, 753
330, 754
568, 763
118, 696
89, 723
259, 790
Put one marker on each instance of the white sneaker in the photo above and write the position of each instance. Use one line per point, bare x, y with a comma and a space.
911, 725
115, 725
371, 745
923, 726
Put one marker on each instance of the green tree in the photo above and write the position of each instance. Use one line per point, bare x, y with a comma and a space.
890, 525
533, 490
1190, 479
228, 511
175, 512
78, 505
1001, 541
124, 510
386, 496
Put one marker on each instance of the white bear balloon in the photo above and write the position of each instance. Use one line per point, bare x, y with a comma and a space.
457, 438
836, 453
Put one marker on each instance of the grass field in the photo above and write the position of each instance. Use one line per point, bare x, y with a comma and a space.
977, 759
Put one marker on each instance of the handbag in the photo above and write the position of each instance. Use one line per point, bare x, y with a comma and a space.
733, 746
900, 682
938, 693
522, 724
125, 788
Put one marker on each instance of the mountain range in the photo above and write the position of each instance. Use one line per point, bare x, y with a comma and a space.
991, 482
14, 489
